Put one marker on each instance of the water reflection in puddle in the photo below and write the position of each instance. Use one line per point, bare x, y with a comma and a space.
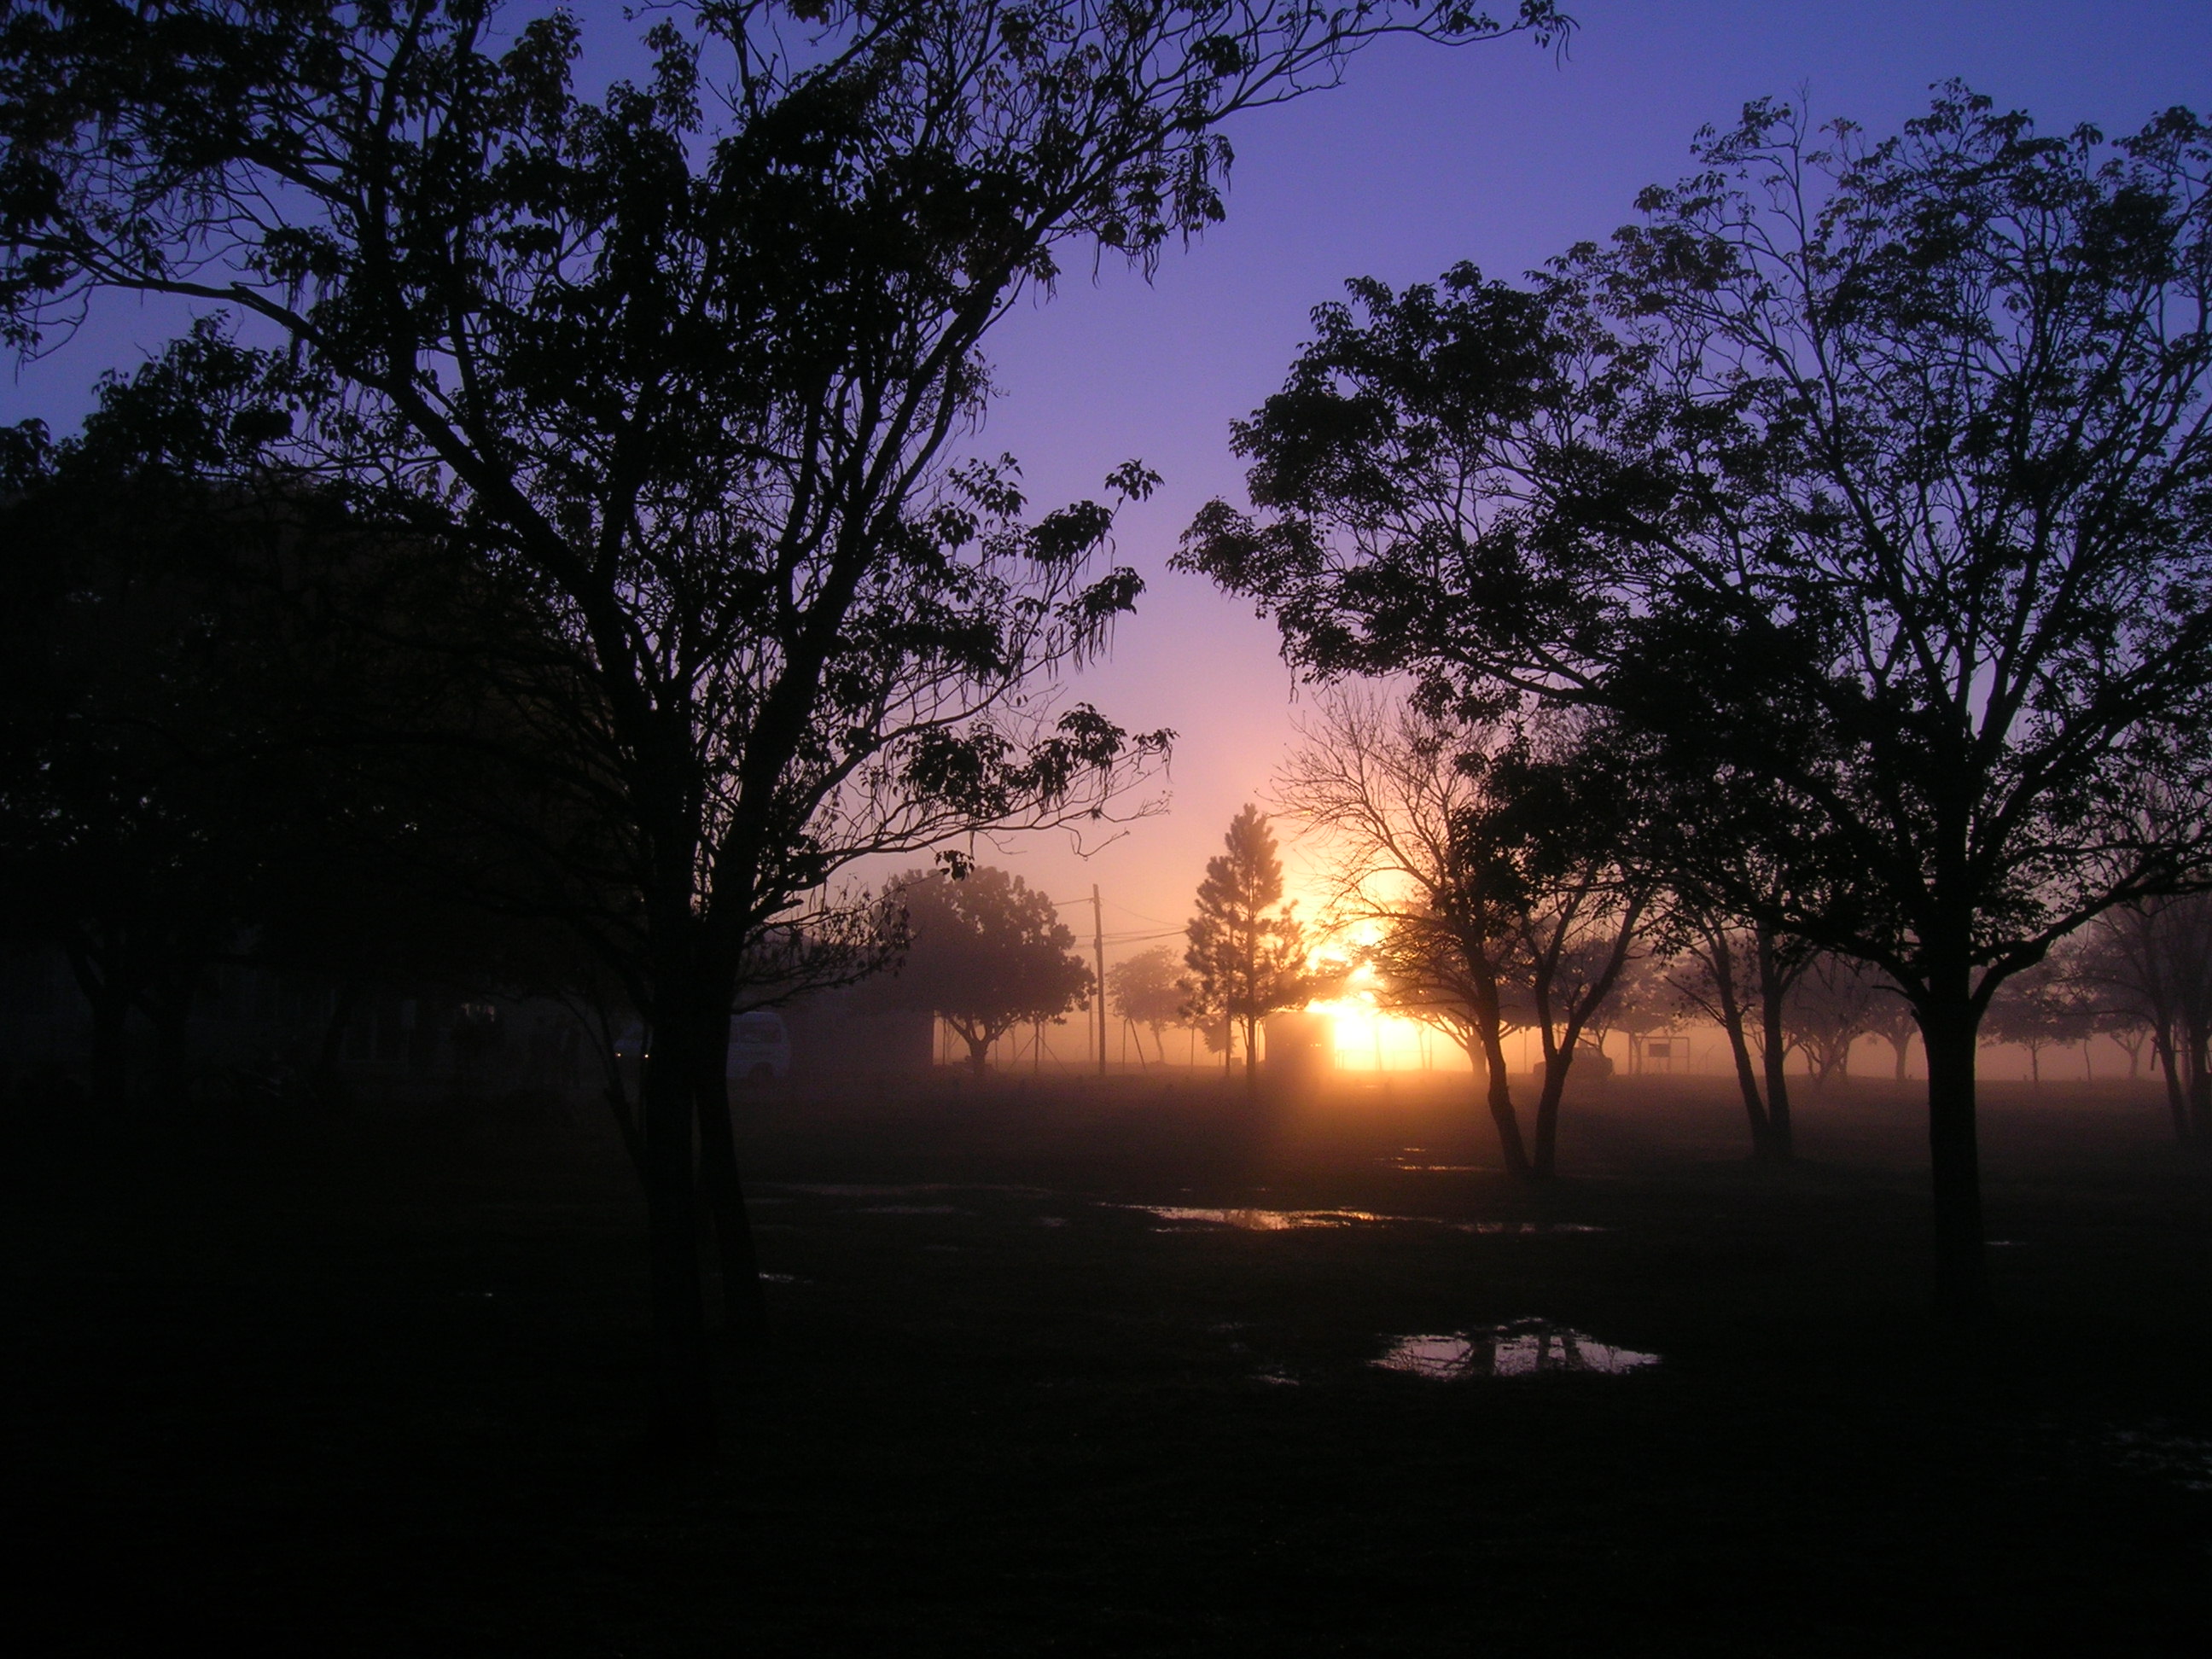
1523, 1348
1436, 1168
912, 1209
1264, 1221
1278, 1221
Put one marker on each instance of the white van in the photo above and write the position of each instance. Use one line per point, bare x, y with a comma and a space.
760, 1048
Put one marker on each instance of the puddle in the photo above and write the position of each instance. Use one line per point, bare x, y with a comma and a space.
1185, 1218
1523, 1348
1435, 1168
912, 1209
1275, 1379
783, 1279
1050, 1220
831, 1189
1265, 1221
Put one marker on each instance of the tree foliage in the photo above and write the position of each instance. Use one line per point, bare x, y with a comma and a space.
1147, 990
1246, 954
986, 952
1489, 872
1876, 472
2148, 965
691, 359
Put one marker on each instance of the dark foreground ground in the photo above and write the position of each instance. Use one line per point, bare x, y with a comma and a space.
370, 1385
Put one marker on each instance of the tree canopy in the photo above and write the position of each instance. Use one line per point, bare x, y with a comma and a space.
1876, 472
688, 358
986, 952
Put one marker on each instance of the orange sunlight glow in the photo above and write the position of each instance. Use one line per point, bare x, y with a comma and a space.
1366, 1038
1363, 1039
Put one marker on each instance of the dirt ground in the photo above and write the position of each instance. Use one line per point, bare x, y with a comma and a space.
364, 1383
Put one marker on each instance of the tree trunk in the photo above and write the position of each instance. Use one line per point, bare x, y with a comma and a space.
111, 1053
1579, 1014
1901, 1046
1746, 1083
1720, 958
331, 1051
1948, 1032
1773, 988
684, 1404
108, 999
1548, 1112
744, 1307
2200, 1083
2162, 1047
170, 1017
1489, 1052
1251, 1056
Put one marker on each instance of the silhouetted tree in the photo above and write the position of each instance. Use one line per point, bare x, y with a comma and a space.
1873, 472
2038, 1008
1890, 1017
1385, 788
215, 720
1246, 955
1739, 976
1553, 842
1830, 1008
986, 952
1492, 879
152, 703
1146, 990
695, 375
1641, 1005
2151, 961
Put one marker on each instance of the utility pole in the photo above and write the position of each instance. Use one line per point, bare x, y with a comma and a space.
1098, 954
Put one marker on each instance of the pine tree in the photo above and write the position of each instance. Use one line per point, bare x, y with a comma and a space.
1246, 954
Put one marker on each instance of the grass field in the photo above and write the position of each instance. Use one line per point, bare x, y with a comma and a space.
372, 1384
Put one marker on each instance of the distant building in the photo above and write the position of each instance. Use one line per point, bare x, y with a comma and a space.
1300, 1046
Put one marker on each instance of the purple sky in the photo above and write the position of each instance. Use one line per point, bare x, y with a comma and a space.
1495, 154
1426, 157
